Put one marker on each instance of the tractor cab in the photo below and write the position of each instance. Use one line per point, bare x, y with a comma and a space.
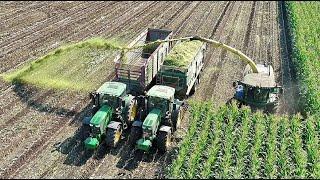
110, 93
160, 97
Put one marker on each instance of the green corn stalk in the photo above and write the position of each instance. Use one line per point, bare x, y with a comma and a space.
283, 162
259, 131
214, 148
199, 147
300, 158
313, 148
242, 144
175, 170
226, 169
304, 28
271, 169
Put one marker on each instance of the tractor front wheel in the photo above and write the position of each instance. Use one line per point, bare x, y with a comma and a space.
113, 136
135, 134
163, 141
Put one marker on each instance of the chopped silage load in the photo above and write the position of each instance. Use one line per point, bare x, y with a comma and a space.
182, 54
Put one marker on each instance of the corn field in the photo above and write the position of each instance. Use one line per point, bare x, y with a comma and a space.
305, 32
236, 143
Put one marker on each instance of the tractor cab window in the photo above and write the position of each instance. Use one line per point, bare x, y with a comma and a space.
110, 100
155, 102
95, 130
147, 133
261, 95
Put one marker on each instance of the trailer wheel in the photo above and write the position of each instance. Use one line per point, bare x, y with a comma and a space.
113, 136
135, 134
163, 141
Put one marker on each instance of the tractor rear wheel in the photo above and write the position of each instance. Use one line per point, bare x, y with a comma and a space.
132, 111
135, 134
163, 141
113, 136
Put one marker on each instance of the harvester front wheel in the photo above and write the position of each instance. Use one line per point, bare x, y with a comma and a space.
163, 141
113, 136
271, 109
132, 111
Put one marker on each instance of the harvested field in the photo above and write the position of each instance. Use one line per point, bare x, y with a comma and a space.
41, 129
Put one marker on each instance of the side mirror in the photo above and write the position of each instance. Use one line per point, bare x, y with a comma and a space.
92, 95
281, 90
234, 84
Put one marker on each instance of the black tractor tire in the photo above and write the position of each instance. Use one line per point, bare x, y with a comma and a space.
132, 111
272, 109
113, 136
163, 141
135, 135
168, 122
176, 119
194, 87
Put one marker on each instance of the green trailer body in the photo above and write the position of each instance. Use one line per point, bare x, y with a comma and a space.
183, 76
138, 68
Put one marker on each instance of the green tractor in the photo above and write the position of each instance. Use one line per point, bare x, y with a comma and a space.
114, 110
258, 90
164, 115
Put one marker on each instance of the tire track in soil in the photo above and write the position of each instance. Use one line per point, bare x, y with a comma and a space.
16, 34
8, 17
210, 90
222, 20
7, 86
41, 38
35, 29
125, 26
35, 115
25, 22
37, 146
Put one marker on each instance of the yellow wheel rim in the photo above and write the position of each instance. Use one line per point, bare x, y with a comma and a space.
179, 120
117, 136
168, 141
133, 112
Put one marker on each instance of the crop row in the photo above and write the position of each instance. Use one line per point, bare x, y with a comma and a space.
235, 143
304, 29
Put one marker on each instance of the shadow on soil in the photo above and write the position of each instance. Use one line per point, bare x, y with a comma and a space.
30, 96
73, 147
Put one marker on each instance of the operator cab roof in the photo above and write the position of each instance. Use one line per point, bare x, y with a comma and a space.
161, 91
261, 79
112, 88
